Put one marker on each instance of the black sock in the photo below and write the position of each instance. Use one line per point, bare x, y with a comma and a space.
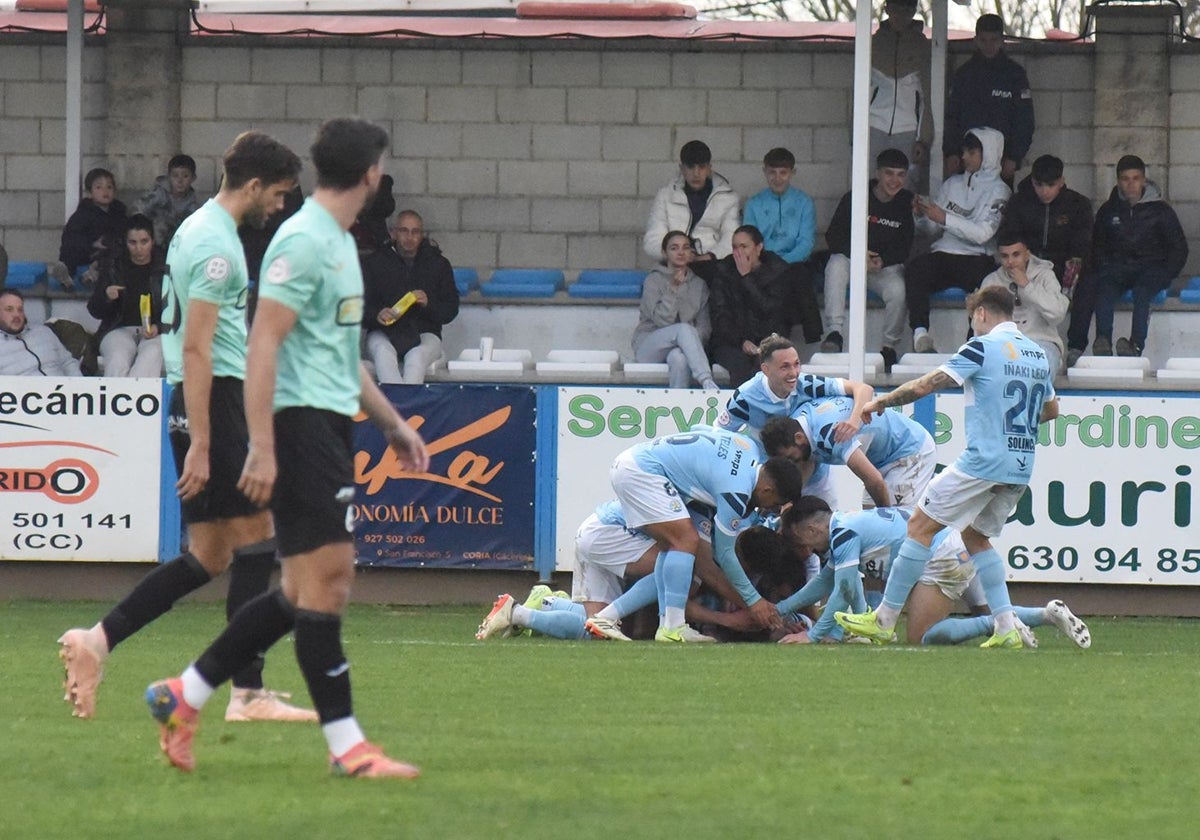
249, 577
257, 626
319, 652
154, 595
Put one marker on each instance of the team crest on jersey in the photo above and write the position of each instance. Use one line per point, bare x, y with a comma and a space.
735, 523
723, 418
350, 311
217, 269
278, 271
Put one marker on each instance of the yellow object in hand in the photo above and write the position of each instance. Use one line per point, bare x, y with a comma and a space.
401, 306
144, 308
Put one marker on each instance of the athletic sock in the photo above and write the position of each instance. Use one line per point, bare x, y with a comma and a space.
249, 577
1031, 616
323, 664
990, 569
951, 631
902, 577
257, 626
677, 582
561, 624
660, 584
641, 594
154, 595
196, 689
342, 735
553, 604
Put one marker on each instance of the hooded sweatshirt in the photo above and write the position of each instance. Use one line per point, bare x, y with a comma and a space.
665, 304
1043, 305
900, 64
1146, 232
974, 203
712, 232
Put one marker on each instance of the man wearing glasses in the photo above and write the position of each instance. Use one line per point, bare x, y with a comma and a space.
1039, 303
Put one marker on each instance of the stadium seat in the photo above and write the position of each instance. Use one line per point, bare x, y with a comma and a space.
1161, 297
1183, 371
721, 376
1120, 370
500, 289
1193, 283
527, 276
912, 365
646, 373
466, 279
22, 275
626, 291
578, 364
610, 277
1189, 296
838, 364
504, 364
953, 294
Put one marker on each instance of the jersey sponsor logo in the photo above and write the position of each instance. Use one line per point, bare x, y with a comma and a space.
217, 269
278, 271
350, 311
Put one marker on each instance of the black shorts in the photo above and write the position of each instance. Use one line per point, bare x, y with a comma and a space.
228, 443
314, 485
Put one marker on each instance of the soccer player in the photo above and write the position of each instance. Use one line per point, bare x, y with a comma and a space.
204, 346
304, 386
655, 481
893, 455
1009, 390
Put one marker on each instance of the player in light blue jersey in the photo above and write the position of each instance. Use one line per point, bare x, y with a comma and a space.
656, 480
1009, 391
893, 455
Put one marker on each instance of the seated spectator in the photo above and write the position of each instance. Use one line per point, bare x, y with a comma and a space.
747, 302
1056, 223
699, 202
370, 229
171, 200
889, 239
967, 213
26, 350
1039, 303
96, 227
1137, 244
413, 264
788, 221
129, 338
673, 324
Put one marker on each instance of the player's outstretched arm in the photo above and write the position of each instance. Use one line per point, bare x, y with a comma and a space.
911, 391
861, 393
400, 436
272, 322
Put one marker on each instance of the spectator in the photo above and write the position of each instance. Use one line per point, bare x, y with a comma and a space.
414, 264
967, 213
900, 63
1056, 223
370, 229
889, 239
1138, 244
97, 227
788, 221
1039, 304
699, 202
673, 323
990, 89
747, 303
172, 198
129, 340
26, 350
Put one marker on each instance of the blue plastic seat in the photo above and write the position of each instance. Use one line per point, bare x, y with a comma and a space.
496, 288
527, 276
611, 277
1190, 296
604, 290
466, 279
1161, 297
953, 293
1193, 283
22, 275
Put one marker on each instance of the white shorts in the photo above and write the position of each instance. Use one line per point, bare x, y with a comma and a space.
645, 498
950, 568
958, 501
601, 554
907, 477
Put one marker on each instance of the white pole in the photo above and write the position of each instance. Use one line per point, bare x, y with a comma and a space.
937, 93
74, 111
859, 152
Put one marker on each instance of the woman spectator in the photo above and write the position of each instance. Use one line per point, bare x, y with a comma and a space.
129, 338
748, 301
674, 320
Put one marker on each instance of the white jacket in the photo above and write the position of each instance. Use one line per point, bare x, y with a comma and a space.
712, 233
1043, 304
973, 203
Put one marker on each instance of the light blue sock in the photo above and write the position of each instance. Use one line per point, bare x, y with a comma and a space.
553, 604
641, 594
951, 631
990, 569
660, 584
905, 572
1031, 616
677, 582
561, 624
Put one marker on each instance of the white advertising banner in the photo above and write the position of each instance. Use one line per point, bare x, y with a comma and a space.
79, 468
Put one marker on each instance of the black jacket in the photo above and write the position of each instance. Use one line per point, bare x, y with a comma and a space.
1058, 231
387, 278
1147, 232
994, 93
748, 308
87, 224
889, 226
125, 310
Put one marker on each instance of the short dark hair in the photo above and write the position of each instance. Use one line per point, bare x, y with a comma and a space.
139, 221
778, 433
182, 161
779, 156
1047, 169
891, 158
695, 153
803, 509
786, 477
751, 231
760, 550
1011, 235
344, 149
14, 292
94, 175
771, 344
971, 142
1128, 162
996, 299
254, 154
989, 23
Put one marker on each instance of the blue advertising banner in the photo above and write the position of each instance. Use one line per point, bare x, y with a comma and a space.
474, 508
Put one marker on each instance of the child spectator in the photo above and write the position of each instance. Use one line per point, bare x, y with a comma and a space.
97, 225
172, 199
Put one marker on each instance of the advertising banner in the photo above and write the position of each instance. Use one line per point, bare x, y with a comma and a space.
79, 468
474, 508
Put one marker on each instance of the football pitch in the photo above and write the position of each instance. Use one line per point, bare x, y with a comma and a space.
532, 738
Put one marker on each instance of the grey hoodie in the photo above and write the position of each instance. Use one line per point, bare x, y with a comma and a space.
664, 304
1043, 305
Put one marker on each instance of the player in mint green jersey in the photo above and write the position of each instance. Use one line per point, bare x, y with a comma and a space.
304, 385
204, 345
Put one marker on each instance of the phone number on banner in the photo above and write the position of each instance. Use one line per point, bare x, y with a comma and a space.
1106, 564
61, 532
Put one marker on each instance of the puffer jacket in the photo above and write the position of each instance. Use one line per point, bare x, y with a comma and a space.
712, 233
1146, 232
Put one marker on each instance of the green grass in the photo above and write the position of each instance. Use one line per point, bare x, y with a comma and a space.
531, 738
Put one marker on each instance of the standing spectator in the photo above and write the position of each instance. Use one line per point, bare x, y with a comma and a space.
26, 350
747, 303
1138, 244
172, 198
900, 116
990, 89
97, 227
129, 341
889, 239
1039, 304
1056, 224
787, 219
700, 202
967, 212
674, 323
413, 264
